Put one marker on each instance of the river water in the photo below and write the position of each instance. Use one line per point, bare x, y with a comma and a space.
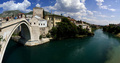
101, 48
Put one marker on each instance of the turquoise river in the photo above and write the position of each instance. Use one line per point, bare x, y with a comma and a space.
100, 48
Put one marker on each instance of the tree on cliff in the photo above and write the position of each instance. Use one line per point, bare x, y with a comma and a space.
66, 29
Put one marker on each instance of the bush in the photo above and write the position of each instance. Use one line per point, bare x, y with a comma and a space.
48, 35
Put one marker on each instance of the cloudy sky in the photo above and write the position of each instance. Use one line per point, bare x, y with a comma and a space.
102, 12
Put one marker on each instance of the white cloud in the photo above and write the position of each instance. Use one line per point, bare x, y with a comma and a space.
37, 5
104, 16
112, 9
73, 8
68, 6
112, 16
11, 5
101, 6
90, 13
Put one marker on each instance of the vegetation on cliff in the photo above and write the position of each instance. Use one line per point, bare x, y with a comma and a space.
112, 29
66, 29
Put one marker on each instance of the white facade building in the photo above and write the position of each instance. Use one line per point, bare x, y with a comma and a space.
37, 21
42, 23
29, 16
84, 26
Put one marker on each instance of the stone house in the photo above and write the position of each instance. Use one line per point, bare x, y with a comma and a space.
84, 26
29, 16
72, 20
36, 21
21, 15
54, 19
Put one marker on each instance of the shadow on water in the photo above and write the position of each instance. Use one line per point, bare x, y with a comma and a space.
11, 48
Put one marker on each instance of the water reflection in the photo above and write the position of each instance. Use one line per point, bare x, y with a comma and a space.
113, 55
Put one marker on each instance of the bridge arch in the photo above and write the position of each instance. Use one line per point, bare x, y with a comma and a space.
25, 35
25, 31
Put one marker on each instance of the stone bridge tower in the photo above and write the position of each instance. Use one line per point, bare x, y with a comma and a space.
38, 11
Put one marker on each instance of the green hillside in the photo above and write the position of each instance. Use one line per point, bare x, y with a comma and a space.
10, 13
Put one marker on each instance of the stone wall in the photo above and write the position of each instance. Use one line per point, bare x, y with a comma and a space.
54, 19
38, 11
44, 31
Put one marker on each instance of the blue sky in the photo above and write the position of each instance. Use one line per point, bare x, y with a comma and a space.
101, 12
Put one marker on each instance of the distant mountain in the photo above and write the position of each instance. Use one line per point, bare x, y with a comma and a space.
10, 13
29, 13
15, 12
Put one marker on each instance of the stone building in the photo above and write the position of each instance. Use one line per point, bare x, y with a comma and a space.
41, 24
54, 19
21, 15
84, 26
38, 11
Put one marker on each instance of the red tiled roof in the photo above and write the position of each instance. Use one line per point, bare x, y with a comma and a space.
72, 19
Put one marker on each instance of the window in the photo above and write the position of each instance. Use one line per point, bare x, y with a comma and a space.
34, 23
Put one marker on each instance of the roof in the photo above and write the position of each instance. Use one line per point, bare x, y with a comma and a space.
55, 15
72, 19
37, 17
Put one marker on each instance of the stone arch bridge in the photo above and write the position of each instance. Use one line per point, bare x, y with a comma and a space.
29, 34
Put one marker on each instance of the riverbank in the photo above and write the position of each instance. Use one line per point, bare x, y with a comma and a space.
17, 38
29, 43
118, 35
77, 36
